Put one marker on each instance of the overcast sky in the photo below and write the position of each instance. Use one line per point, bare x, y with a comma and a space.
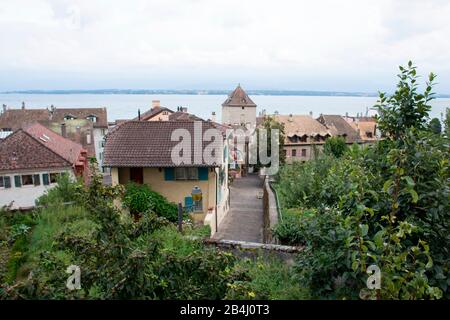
214, 44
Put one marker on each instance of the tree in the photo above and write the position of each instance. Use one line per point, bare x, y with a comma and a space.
406, 108
335, 146
435, 126
447, 122
270, 123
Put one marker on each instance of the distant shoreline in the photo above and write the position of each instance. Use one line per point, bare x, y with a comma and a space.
208, 92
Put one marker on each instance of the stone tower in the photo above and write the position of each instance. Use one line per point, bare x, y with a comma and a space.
239, 109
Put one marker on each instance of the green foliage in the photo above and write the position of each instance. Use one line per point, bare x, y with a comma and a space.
447, 122
65, 191
335, 146
387, 205
406, 108
289, 229
269, 124
138, 198
267, 279
435, 126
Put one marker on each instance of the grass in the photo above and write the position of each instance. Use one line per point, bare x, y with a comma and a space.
272, 279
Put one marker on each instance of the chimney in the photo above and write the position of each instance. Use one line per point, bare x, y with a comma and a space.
213, 116
290, 117
311, 113
183, 109
4, 107
156, 104
63, 130
23, 105
139, 114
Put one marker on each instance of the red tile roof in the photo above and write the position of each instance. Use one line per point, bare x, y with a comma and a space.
65, 148
21, 151
148, 143
238, 98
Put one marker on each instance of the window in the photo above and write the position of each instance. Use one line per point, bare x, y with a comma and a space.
37, 180
27, 180
69, 117
180, 174
198, 205
92, 118
103, 132
6, 129
192, 173
303, 152
369, 134
186, 174
54, 177
165, 113
294, 152
5, 182
243, 108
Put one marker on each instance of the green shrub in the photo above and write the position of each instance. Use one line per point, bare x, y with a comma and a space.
335, 146
289, 230
66, 190
267, 279
139, 199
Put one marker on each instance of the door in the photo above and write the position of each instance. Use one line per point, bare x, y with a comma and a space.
137, 175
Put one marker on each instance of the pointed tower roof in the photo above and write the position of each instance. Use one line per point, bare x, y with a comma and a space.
238, 98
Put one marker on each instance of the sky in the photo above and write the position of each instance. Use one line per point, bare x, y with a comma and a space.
214, 44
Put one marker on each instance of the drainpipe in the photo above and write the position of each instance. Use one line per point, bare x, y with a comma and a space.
215, 211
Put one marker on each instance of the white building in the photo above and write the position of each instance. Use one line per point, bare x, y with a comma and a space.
31, 160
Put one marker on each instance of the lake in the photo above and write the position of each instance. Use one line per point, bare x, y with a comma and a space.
125, 106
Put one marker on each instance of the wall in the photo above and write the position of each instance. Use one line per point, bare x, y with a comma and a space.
235, 115
299, 157
25, 196
97, 140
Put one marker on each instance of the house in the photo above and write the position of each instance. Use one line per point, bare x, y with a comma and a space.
141, 152
31, 159
339, 127
366, 127
86, 126
156, 113
304, 136
239, 109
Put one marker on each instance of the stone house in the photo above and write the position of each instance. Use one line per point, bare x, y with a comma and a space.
303, 136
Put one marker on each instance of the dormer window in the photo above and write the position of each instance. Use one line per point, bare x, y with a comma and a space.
69, 117
92, 118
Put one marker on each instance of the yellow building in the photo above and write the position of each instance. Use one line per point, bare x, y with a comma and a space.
142, 152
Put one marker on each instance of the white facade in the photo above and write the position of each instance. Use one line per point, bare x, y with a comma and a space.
234, 115
25, 195
98, 140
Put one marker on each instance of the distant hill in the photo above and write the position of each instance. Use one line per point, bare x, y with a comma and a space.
207, 92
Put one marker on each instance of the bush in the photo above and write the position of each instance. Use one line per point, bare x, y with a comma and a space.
335, 146
65, 191
139, 199
289, 230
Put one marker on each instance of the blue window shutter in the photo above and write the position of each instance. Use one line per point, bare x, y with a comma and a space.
17, 181
169, 174
203, 173
188, 202
45, 179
